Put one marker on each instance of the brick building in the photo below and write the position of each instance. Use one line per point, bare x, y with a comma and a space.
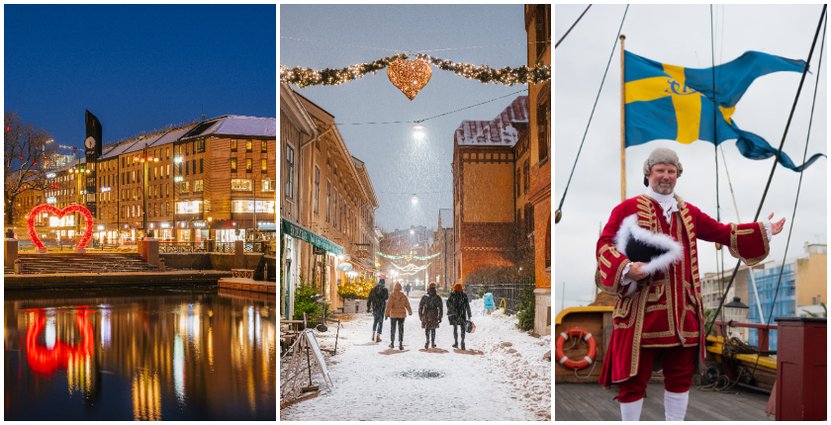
538, 28
488, 182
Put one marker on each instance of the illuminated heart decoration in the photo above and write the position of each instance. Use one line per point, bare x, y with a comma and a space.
409, 77
33, 234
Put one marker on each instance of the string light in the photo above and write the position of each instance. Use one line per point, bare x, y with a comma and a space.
304, 77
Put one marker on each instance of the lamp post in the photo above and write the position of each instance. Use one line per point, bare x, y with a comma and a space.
177, 161
145, 158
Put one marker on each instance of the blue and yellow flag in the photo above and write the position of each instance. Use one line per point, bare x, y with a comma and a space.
676, 103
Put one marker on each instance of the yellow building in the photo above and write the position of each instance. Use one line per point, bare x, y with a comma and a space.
338, 205
486, 175
208, 181
812, 276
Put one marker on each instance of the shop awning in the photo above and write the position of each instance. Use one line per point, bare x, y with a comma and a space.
299, 232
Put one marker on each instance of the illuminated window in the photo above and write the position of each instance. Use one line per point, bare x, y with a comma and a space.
197, 186
241, 185
233, 145
249, 145
264, 165
233, 165
249, 165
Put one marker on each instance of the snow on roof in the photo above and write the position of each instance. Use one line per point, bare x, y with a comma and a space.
497, 132
240, 125
229, 125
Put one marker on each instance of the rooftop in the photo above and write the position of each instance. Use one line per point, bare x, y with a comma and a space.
497, 132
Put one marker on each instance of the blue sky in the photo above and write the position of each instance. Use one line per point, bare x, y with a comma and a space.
337, 36
137, 67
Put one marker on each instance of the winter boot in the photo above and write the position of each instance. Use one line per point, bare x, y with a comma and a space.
427, 345
373, 336
675, 405
377, 337
463, 346
631, 411
392, 344
455, 344
400, 345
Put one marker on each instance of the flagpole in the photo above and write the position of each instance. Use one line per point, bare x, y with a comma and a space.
622, 121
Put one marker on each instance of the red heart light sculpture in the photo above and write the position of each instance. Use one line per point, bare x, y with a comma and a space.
33, 234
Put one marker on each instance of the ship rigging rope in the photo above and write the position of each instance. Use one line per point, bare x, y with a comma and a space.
558, 213
572, 26
773, 169
798, 189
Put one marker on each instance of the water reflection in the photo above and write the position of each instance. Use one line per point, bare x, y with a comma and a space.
157, 356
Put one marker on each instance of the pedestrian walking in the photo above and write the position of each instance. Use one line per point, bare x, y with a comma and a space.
377, 303
430, 311
407, 289
398, 308
458, 313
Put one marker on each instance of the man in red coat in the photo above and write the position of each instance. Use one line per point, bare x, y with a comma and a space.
658, 318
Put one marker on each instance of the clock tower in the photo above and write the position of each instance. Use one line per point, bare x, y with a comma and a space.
92, 145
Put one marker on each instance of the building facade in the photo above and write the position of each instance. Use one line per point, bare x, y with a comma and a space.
338, 206
296, 130
443, 245
797, 286
484, 196
208, 181
538, 28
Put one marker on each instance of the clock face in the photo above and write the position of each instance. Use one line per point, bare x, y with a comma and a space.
90, 142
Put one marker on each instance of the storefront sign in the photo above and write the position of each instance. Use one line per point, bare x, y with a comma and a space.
298, 232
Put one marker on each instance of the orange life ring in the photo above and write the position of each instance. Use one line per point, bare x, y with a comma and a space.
587, 360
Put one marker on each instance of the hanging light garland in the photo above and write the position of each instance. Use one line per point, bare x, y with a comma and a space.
486, 74
304, 77
408, 257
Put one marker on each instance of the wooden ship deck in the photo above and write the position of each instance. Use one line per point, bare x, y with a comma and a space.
591, 402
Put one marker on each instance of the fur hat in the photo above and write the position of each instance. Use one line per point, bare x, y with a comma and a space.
457, 287
660, 156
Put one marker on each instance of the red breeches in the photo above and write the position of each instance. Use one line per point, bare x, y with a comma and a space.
678, 365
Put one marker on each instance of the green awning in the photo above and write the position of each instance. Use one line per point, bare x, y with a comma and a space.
295, 231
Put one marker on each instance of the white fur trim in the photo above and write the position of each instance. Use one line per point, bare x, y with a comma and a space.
629, 229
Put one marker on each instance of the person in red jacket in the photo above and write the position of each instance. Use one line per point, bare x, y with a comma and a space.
658, 316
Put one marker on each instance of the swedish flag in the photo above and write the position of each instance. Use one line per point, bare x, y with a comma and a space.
676, 103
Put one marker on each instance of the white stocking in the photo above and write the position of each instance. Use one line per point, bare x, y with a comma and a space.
631, 411
675, 405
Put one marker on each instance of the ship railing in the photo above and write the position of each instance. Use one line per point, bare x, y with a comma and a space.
763, 334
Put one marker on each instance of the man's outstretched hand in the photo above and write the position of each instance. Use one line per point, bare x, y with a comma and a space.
776, 227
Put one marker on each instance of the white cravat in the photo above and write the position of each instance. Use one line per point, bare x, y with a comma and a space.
668, 203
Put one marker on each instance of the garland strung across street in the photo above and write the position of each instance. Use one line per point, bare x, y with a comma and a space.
410, 267
412, 76
408, 257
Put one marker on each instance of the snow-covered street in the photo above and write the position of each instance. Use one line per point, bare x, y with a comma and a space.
509, 381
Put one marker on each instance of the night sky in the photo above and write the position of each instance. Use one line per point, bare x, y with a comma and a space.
137, 67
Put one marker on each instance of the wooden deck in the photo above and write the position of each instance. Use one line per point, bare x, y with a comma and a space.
590, 402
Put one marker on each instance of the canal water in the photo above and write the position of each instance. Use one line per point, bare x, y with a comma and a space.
143, 355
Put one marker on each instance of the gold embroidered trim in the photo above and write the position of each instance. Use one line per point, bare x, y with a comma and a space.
604, 261
656, 307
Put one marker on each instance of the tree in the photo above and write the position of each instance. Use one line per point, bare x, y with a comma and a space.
25, 146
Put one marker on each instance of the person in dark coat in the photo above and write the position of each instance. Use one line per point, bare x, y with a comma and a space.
458, 313
377, 303
430, 311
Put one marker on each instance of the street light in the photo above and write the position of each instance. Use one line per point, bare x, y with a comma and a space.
419, 133
177, 161
414, 200
145, 158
